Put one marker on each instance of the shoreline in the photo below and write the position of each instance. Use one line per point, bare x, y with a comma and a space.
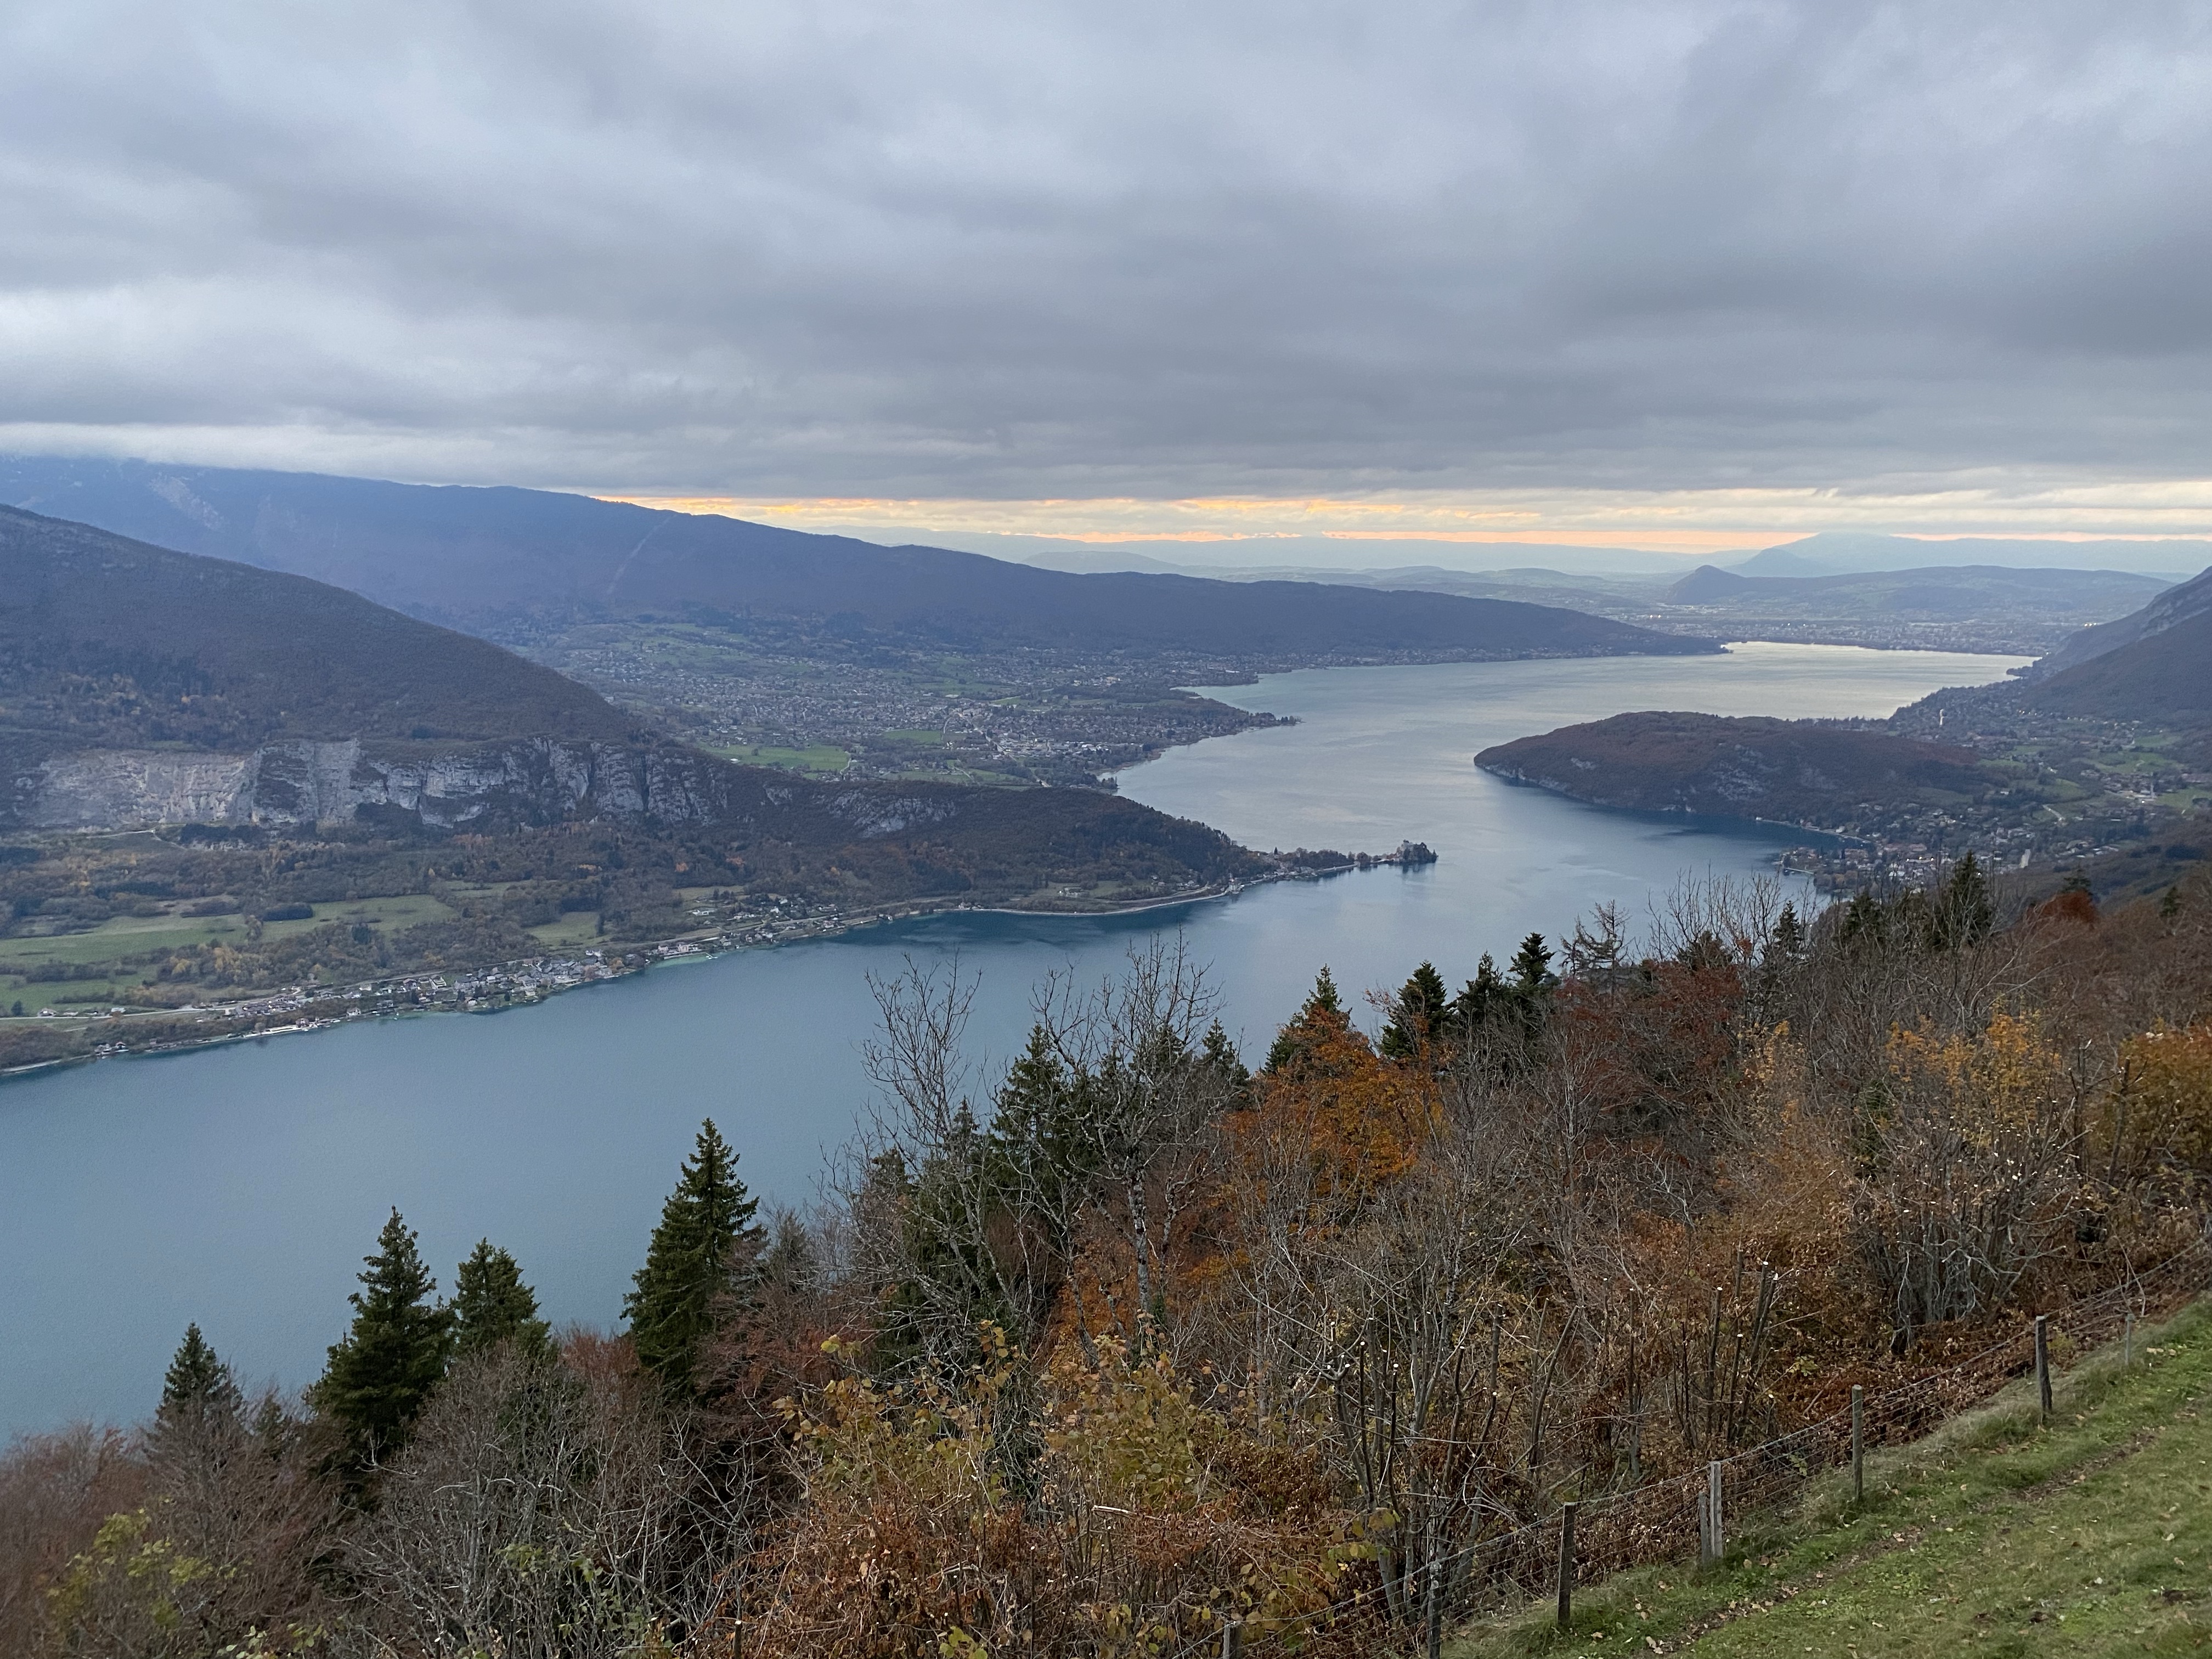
525, 982
1520, 780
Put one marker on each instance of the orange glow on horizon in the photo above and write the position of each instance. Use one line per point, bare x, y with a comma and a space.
1688, 522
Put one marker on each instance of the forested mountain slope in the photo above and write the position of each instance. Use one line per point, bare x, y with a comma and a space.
107, 642
2164, 677
2191, 601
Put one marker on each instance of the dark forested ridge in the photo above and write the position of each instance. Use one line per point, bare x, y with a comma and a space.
2164, 677
107, 642
469, 553
1795, 771
2186, 602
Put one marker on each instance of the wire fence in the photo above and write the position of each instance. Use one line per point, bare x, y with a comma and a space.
1667, 1519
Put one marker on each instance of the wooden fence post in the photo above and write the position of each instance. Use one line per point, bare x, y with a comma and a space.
1858, 1443
2127, 1342
2043, 1365
1713, 1503
1567, 1565
1436, 1609
1232, 1640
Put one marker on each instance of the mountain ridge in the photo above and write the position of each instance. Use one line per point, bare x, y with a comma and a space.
460, 553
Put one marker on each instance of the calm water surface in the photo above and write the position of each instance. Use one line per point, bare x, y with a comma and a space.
240, 1186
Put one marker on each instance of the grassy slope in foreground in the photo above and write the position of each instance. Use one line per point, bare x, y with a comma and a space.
1993, 1536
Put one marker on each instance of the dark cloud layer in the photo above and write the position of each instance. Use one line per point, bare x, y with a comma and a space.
1036, 249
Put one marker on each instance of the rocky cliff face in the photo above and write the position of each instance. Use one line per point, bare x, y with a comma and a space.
490, 786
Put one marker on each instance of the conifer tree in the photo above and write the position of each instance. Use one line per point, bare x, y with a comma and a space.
1480, 999
1788, 942
1324, 1010
1532, 967
492, 1305
1217, 1051
1866, 917
384, 1369
1418, 1019
197, 1381
706, 1238
1964, 912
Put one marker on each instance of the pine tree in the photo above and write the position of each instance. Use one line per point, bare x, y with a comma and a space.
492, 1305
1219, 1054
1787, 943
1417, 1019
1532, 967
1964, 913
1323, 1010
1479, 1001
1865, 917
706, 1238
197, 1381
380, 1375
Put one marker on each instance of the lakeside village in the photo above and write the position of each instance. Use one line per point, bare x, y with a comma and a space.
528, 981
1844, 863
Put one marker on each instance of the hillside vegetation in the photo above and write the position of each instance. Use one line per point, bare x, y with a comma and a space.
2163, 679
1084, 1355
2089, 1535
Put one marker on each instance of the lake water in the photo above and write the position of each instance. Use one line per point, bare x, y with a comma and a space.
240, 1186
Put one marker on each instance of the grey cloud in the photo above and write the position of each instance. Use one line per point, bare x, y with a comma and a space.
1036, 249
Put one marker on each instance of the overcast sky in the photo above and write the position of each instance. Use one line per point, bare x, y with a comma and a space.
1403, 253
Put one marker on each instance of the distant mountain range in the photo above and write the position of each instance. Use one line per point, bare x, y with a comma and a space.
1957, 591
1980, 607
1828, 553
467, 554
1846, 552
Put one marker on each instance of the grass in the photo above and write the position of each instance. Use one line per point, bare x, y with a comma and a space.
135, 936
1994, 1536
576, 927
820, 758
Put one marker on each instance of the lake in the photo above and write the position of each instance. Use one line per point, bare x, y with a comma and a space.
240, 1186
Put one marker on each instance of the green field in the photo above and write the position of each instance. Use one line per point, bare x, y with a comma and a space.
1994, 1536
126, 937
820, 758
576, 927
